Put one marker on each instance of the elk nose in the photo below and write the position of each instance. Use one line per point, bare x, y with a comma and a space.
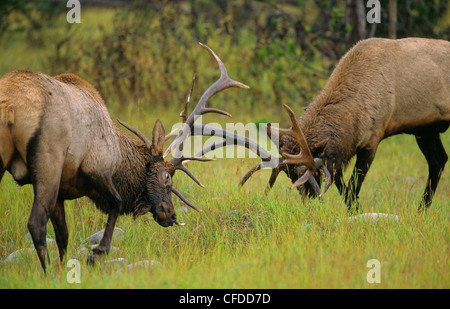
174, 217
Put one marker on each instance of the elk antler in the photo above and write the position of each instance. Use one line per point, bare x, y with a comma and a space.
178, 158
141, 136
303, 158
234, 139
222, 83
188, 99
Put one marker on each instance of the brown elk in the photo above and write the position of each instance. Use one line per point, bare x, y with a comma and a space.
380, 88
56, 134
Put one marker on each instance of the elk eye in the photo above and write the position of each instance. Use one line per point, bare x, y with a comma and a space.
167, 178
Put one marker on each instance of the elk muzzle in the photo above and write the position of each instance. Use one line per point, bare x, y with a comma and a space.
165, 215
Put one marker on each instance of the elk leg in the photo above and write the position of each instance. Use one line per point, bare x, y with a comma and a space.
58, 219
105, 243
105, 187
364, 158
44, 201
339, 181
45, 166
431, 146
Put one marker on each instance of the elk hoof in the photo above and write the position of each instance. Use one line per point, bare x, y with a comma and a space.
96, 255
92, 259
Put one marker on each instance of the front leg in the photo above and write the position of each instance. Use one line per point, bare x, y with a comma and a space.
104, 186
105, 244
364, 158
339, 181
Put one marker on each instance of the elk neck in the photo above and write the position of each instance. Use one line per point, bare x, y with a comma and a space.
129, 178
331, 125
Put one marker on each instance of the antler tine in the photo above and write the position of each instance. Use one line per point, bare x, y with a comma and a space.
228, 82
230, 139
211, 147
222, 83
172, 133
181, 197
188, 172
138, 133
273, 177
304, 157
328, 181
183, 113
234, 139
249, 174
276, 168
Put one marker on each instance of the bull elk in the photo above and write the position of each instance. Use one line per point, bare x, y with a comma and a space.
56, 134
380, 88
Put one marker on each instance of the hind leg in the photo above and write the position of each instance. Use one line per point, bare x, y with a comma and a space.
431, 146
45, 168
58, 219
45, 195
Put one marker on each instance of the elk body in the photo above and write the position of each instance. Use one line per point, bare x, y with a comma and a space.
380, 88
56, 134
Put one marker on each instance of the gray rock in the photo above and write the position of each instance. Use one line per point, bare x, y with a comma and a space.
21, 255
25, 254
94, 239
373, 217
117, 262
143, 265
82, 251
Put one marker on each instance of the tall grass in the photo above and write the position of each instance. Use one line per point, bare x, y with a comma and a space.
243, 238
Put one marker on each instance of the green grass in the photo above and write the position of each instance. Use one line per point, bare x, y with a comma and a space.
244, 239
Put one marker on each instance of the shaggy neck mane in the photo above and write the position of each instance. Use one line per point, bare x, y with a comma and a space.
130, 176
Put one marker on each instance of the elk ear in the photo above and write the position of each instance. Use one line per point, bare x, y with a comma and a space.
158, 139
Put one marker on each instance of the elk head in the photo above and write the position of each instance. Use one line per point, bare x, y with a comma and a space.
157, 198
296, 161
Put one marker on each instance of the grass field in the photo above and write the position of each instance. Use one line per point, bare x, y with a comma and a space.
243, 238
